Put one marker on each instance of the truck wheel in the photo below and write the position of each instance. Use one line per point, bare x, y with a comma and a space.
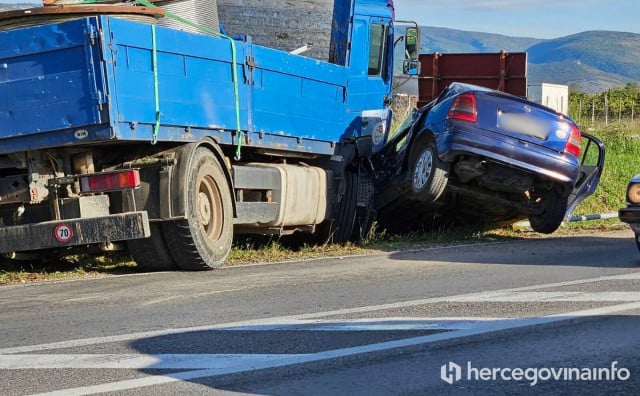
152, 254
428, 173
203, 240
555, 207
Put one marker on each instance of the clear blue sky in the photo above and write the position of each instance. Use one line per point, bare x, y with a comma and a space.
524, 18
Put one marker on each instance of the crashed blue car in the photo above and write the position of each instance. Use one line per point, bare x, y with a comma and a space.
480, 154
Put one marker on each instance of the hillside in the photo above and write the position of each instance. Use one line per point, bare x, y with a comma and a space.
437, 39
594, 60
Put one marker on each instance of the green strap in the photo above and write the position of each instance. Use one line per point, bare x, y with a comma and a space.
234, 70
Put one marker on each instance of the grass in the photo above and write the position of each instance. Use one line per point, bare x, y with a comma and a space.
72, 266
622, 144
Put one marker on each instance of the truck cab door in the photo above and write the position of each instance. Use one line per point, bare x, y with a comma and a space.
591, 166
370, 81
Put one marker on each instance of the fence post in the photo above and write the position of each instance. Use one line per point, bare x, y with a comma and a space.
620, 110
606, 110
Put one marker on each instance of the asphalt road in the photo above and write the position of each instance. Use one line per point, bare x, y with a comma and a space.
558, 315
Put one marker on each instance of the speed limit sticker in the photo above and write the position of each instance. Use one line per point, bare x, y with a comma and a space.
63, 233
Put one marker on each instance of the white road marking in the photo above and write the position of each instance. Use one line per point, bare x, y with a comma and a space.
280, 360
550, 296
314, 315
371, 324
135, 361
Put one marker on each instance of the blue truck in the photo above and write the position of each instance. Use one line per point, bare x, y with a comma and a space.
119, 132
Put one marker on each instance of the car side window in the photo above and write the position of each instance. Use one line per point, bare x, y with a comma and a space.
590, 154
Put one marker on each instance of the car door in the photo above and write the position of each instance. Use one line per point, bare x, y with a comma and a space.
591, 166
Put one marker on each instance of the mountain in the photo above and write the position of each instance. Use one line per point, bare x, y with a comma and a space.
444, 40
594, 60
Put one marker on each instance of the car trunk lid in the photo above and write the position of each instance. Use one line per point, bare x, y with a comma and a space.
526, 121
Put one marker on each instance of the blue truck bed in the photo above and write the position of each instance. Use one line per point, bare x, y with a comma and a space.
92, 80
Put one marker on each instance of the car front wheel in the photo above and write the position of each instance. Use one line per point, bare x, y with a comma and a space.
428, 173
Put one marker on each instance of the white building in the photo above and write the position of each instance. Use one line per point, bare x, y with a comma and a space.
555, 96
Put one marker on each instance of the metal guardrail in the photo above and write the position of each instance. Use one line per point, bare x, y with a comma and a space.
599, 216
524, 224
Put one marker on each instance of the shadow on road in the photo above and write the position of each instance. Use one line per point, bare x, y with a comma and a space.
579, 251
263, 360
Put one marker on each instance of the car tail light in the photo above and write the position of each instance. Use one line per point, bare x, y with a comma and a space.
574, 142
464, 108
110, 181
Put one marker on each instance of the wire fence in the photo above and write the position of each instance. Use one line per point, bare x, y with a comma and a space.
595, 112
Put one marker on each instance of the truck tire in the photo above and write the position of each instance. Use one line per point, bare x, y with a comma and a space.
152, 254
555, 207
203, 240
428, 173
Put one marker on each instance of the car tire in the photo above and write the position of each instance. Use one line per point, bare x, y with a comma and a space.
637, 239
428, 173
555, 207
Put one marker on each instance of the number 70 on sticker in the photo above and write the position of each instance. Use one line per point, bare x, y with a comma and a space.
63, 233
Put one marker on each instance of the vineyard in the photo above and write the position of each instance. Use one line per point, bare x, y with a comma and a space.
614, 106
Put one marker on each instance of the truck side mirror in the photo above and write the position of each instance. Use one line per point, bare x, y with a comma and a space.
411, 65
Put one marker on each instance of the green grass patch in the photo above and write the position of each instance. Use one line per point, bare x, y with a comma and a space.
72, 266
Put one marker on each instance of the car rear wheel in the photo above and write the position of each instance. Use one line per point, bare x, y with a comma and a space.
554, 209
428, 173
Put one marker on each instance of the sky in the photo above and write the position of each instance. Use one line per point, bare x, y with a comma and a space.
524, 18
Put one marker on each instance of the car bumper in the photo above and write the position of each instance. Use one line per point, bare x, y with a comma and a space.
630, 215
510, 151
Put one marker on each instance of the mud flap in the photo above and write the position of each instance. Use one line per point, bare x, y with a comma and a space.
365, 212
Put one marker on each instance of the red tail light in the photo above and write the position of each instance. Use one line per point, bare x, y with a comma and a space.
111, 181
574, 142
464, 108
